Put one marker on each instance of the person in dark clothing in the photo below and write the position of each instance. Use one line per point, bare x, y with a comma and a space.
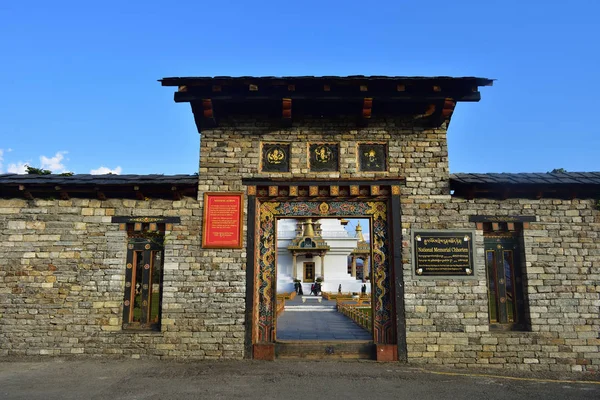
312, 289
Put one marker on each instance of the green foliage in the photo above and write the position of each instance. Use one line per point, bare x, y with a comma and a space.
66, 174
558, 171
37, 171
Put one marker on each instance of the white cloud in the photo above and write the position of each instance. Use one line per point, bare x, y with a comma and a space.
17, 168
105, 170
54, 164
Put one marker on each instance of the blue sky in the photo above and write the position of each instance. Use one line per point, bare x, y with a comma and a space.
79, 79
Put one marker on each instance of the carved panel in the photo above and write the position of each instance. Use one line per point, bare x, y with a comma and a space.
275, 157
372, 156
323, 157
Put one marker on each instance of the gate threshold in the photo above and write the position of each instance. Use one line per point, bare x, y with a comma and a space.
325, 349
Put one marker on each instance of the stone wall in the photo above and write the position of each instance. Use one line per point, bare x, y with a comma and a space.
62, 282
62, 262
419, 154
447, 320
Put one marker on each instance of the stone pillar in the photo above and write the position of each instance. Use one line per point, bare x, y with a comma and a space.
354, 266
294, 267
323, 266
365, 268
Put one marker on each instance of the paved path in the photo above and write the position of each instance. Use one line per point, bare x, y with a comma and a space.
98, 379
300, 322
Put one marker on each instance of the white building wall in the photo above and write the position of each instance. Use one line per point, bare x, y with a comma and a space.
336, 259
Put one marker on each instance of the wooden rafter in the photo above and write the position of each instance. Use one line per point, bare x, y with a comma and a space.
63, 194
275, 189
367, 107
138, 193
207, 109
286, 108
176, 193
324, 95
26, 193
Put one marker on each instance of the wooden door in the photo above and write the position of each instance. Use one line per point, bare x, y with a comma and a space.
505, 286
309, 272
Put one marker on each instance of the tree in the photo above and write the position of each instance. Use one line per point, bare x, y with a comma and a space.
37, 171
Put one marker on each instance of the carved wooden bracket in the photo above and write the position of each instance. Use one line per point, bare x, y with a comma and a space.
428, 113
448, 109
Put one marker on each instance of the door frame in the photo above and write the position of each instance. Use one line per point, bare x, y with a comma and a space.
378, 200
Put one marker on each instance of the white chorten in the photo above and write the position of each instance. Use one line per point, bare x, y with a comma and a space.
308, 249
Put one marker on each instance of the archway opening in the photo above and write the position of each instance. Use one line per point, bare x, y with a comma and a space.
324, 279
383, 338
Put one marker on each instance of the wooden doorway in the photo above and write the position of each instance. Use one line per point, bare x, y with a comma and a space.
381, 208
309, 272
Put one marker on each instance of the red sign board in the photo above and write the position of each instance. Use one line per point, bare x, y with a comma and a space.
222, 224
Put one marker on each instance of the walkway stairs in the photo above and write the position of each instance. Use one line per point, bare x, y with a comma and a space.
310, 308
336, 337
310, 303
325, 350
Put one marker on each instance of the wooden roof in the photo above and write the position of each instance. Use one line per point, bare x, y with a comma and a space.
502, 186
527, 185
98, 186
426, 100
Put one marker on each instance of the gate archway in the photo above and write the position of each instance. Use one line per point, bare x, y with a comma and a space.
379, 203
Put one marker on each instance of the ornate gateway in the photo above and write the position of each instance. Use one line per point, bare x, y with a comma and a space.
372, 203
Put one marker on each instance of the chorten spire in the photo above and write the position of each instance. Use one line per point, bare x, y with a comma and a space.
308, 228
359, 233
